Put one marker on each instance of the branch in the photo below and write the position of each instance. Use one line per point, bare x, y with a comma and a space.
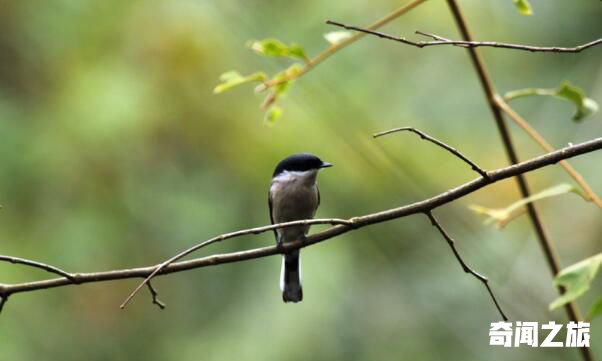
439, 40
313, 62
504, 132
222, 237
425, 136
589, 194
39, 265
465, 267
155, 296
348, 225
331, 221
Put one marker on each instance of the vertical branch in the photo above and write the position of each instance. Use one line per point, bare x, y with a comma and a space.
490, 93
588, 192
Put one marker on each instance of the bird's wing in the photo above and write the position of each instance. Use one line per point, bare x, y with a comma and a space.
271, 215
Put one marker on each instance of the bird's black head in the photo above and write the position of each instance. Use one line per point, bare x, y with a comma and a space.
300, 163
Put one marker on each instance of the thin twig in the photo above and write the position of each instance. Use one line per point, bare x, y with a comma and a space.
196, 247
353, 224
589, 194
490, 93
465, 267
313, 62
427, 137
439, 40
39, 265
155, 296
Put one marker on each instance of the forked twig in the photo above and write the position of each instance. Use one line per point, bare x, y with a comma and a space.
155, 296
439, 40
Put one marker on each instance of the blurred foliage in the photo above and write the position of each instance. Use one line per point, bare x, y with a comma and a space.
584, 106
282, 80
501, 216
117, 154
577, 280
523, 7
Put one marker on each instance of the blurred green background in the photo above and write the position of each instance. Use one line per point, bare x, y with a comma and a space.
116, 154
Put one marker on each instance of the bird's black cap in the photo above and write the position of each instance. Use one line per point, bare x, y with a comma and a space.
300, 163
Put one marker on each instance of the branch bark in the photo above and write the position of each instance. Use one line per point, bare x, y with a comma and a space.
35, 264
588, 192
7, 290
439, 40
504, 132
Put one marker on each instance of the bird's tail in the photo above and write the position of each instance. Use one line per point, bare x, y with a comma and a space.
290, 278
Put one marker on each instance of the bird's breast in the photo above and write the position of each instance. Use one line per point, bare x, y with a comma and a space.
293, 200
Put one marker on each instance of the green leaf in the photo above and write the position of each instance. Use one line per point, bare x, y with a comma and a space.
595, 310
282, 87
296, 51
576, 279
233, 79
335, 37
276, 48
523, 6
584, 106
273, 114
502, 215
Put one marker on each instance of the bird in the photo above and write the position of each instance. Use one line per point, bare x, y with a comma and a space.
294, 195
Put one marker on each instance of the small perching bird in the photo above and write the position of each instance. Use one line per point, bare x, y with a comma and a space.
294, 195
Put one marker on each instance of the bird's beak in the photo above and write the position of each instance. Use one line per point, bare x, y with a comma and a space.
326, 165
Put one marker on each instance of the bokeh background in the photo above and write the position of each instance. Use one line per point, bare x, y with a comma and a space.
116, 154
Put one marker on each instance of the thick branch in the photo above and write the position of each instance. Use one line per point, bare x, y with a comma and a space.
354, 223
439, 40
465, 267
225, 236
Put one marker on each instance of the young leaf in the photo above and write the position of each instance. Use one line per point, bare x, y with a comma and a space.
276, 48
576, 279
335, 37
584, 106
502, 216
523, 7
595, 310
233, 79
285, 79
273, 114
296, 51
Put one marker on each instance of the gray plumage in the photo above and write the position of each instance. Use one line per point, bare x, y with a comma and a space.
293, 196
